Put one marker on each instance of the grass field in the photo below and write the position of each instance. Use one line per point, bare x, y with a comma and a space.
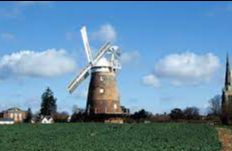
109, 137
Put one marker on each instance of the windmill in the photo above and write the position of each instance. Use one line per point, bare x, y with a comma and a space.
103, 96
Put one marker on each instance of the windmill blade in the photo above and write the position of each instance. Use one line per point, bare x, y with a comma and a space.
79, 78
85, 72
86, 44
102, 51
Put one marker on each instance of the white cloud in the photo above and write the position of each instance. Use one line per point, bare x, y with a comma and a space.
151, 80
7, 36
105, 33
187, 68
48, 63
128, 57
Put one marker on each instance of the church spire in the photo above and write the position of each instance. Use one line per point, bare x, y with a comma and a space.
228, 72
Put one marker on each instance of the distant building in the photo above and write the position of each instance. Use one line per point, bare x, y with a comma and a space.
16, 114
6, 121
69, 118
114, 120
47, 120
33, 121
227, 96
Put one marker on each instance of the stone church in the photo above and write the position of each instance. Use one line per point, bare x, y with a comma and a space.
226, 116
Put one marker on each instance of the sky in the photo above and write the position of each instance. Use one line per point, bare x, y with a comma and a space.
172, 53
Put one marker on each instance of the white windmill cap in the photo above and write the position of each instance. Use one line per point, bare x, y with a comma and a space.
103, 62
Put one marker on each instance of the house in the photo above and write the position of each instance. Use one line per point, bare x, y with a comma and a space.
33, 121
69, 118
47, 120
6, 121
16, 114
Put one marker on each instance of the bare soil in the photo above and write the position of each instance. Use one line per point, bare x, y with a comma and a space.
225, 137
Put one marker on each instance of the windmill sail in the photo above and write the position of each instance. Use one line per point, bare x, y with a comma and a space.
103, 97
79, 78
86, 44
85, 72
102, 51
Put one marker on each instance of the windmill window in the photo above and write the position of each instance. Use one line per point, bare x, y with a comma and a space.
11, 115
115, 106
101, 90
230, 98
101, 78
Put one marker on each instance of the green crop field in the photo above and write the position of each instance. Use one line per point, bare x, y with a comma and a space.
109, 137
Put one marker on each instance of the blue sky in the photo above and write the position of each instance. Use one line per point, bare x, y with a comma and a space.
173, 53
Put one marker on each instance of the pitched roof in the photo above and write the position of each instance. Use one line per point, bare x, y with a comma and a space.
14, 109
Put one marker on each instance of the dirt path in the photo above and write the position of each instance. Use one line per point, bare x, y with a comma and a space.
225, 137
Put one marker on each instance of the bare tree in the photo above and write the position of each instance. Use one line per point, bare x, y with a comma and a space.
191, 113
215, 105
176, 114
75, 109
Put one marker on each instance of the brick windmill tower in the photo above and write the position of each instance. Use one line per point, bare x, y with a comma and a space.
103, 96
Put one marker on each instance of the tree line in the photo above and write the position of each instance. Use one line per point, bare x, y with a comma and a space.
48, 107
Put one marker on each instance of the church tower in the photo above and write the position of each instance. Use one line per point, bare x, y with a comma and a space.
227, 96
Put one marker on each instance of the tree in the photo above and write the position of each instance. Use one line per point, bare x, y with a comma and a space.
141, 114
61, 117
78, 114
78, 117
125, 110
75, 109
48, 105
215, 105
176, 114
191, 113
29, 116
